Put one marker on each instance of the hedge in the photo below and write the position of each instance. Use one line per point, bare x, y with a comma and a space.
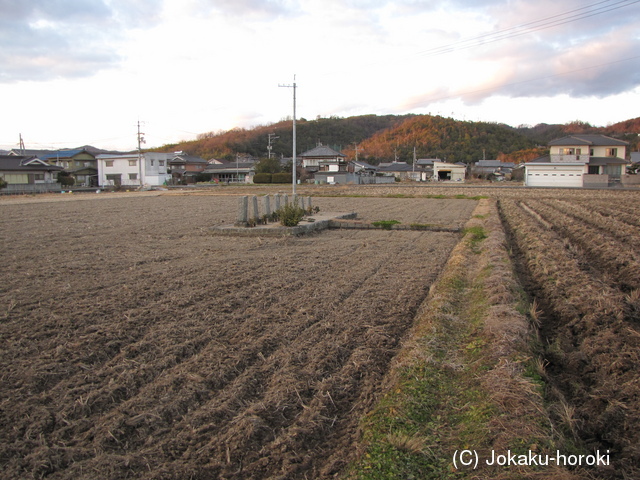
281, 178
262, 178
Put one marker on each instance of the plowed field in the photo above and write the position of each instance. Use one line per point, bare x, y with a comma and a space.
134, 344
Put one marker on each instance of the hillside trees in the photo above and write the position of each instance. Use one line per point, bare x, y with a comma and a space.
444, 138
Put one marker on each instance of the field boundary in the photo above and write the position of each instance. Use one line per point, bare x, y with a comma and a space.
467, 378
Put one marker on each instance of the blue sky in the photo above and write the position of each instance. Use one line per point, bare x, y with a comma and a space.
75, 72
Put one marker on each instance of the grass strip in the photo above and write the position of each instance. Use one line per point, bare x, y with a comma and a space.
468, 378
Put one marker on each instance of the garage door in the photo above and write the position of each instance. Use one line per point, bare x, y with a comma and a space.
554, 179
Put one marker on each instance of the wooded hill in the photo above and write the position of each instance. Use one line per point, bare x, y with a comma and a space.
394, 137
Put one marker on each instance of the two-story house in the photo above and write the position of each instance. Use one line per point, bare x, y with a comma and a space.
134, 170
79, 163
185, 167
323, 159
579, 161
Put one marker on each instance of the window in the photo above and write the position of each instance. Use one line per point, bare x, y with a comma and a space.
612, 152
594, 170
151, 162
38, 176
133, 176
132, 163
108, 163
161, 163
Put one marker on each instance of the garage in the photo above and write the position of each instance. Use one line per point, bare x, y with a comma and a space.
547, 175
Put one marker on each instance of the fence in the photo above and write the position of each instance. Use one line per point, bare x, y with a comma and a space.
25, 189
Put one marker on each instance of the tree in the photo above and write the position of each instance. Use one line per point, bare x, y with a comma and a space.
268, 165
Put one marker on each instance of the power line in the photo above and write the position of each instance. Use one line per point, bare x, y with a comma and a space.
530, 27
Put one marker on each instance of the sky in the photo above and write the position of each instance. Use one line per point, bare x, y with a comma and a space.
85, 72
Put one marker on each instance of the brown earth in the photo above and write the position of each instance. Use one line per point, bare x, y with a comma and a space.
137, 345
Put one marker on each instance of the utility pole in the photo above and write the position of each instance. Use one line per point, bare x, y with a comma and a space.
140, 142
21, 146
356, 147
414, 162
294, 130
272, 136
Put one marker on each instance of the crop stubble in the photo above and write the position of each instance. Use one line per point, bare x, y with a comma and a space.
580, 261
135, 344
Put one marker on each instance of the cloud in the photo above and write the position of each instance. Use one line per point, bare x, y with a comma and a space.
47, 39
251, 9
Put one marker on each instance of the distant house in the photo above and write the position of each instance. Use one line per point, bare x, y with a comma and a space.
28, 174
579, 161
400, 170
492, 169
79, 163
362, 168
133, 170
185, 167
323, 158
231, 172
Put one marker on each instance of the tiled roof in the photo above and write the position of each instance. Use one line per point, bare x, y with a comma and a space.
25, 164
322, 151
598, 140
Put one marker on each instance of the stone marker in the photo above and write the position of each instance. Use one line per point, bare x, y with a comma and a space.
242, 218
267, 206
255, 214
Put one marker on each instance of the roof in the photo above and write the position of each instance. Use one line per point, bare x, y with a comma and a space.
597, 140
607, 161
427, 161
63, 153
229, 167
25, 164
188, 159
396, 167
362, 164
494, 163
322, 151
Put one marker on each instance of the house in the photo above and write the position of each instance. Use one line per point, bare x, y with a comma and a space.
492, 169
28, 174
361, 168
449, 172
579, 161
127, 169
400, 170
231, 172
185, 167
323, 158
79, 163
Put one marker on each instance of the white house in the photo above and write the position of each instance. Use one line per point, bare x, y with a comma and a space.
579, 161
127, 169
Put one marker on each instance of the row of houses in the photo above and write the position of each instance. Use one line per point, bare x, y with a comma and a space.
573, 161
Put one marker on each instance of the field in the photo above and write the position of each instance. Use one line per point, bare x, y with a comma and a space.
136, 344
580, 260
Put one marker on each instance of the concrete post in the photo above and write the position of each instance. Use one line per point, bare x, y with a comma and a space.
277, 200
286, 200
266, 200
309, 206
295, 200
302, 203
255, 214
242, 218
